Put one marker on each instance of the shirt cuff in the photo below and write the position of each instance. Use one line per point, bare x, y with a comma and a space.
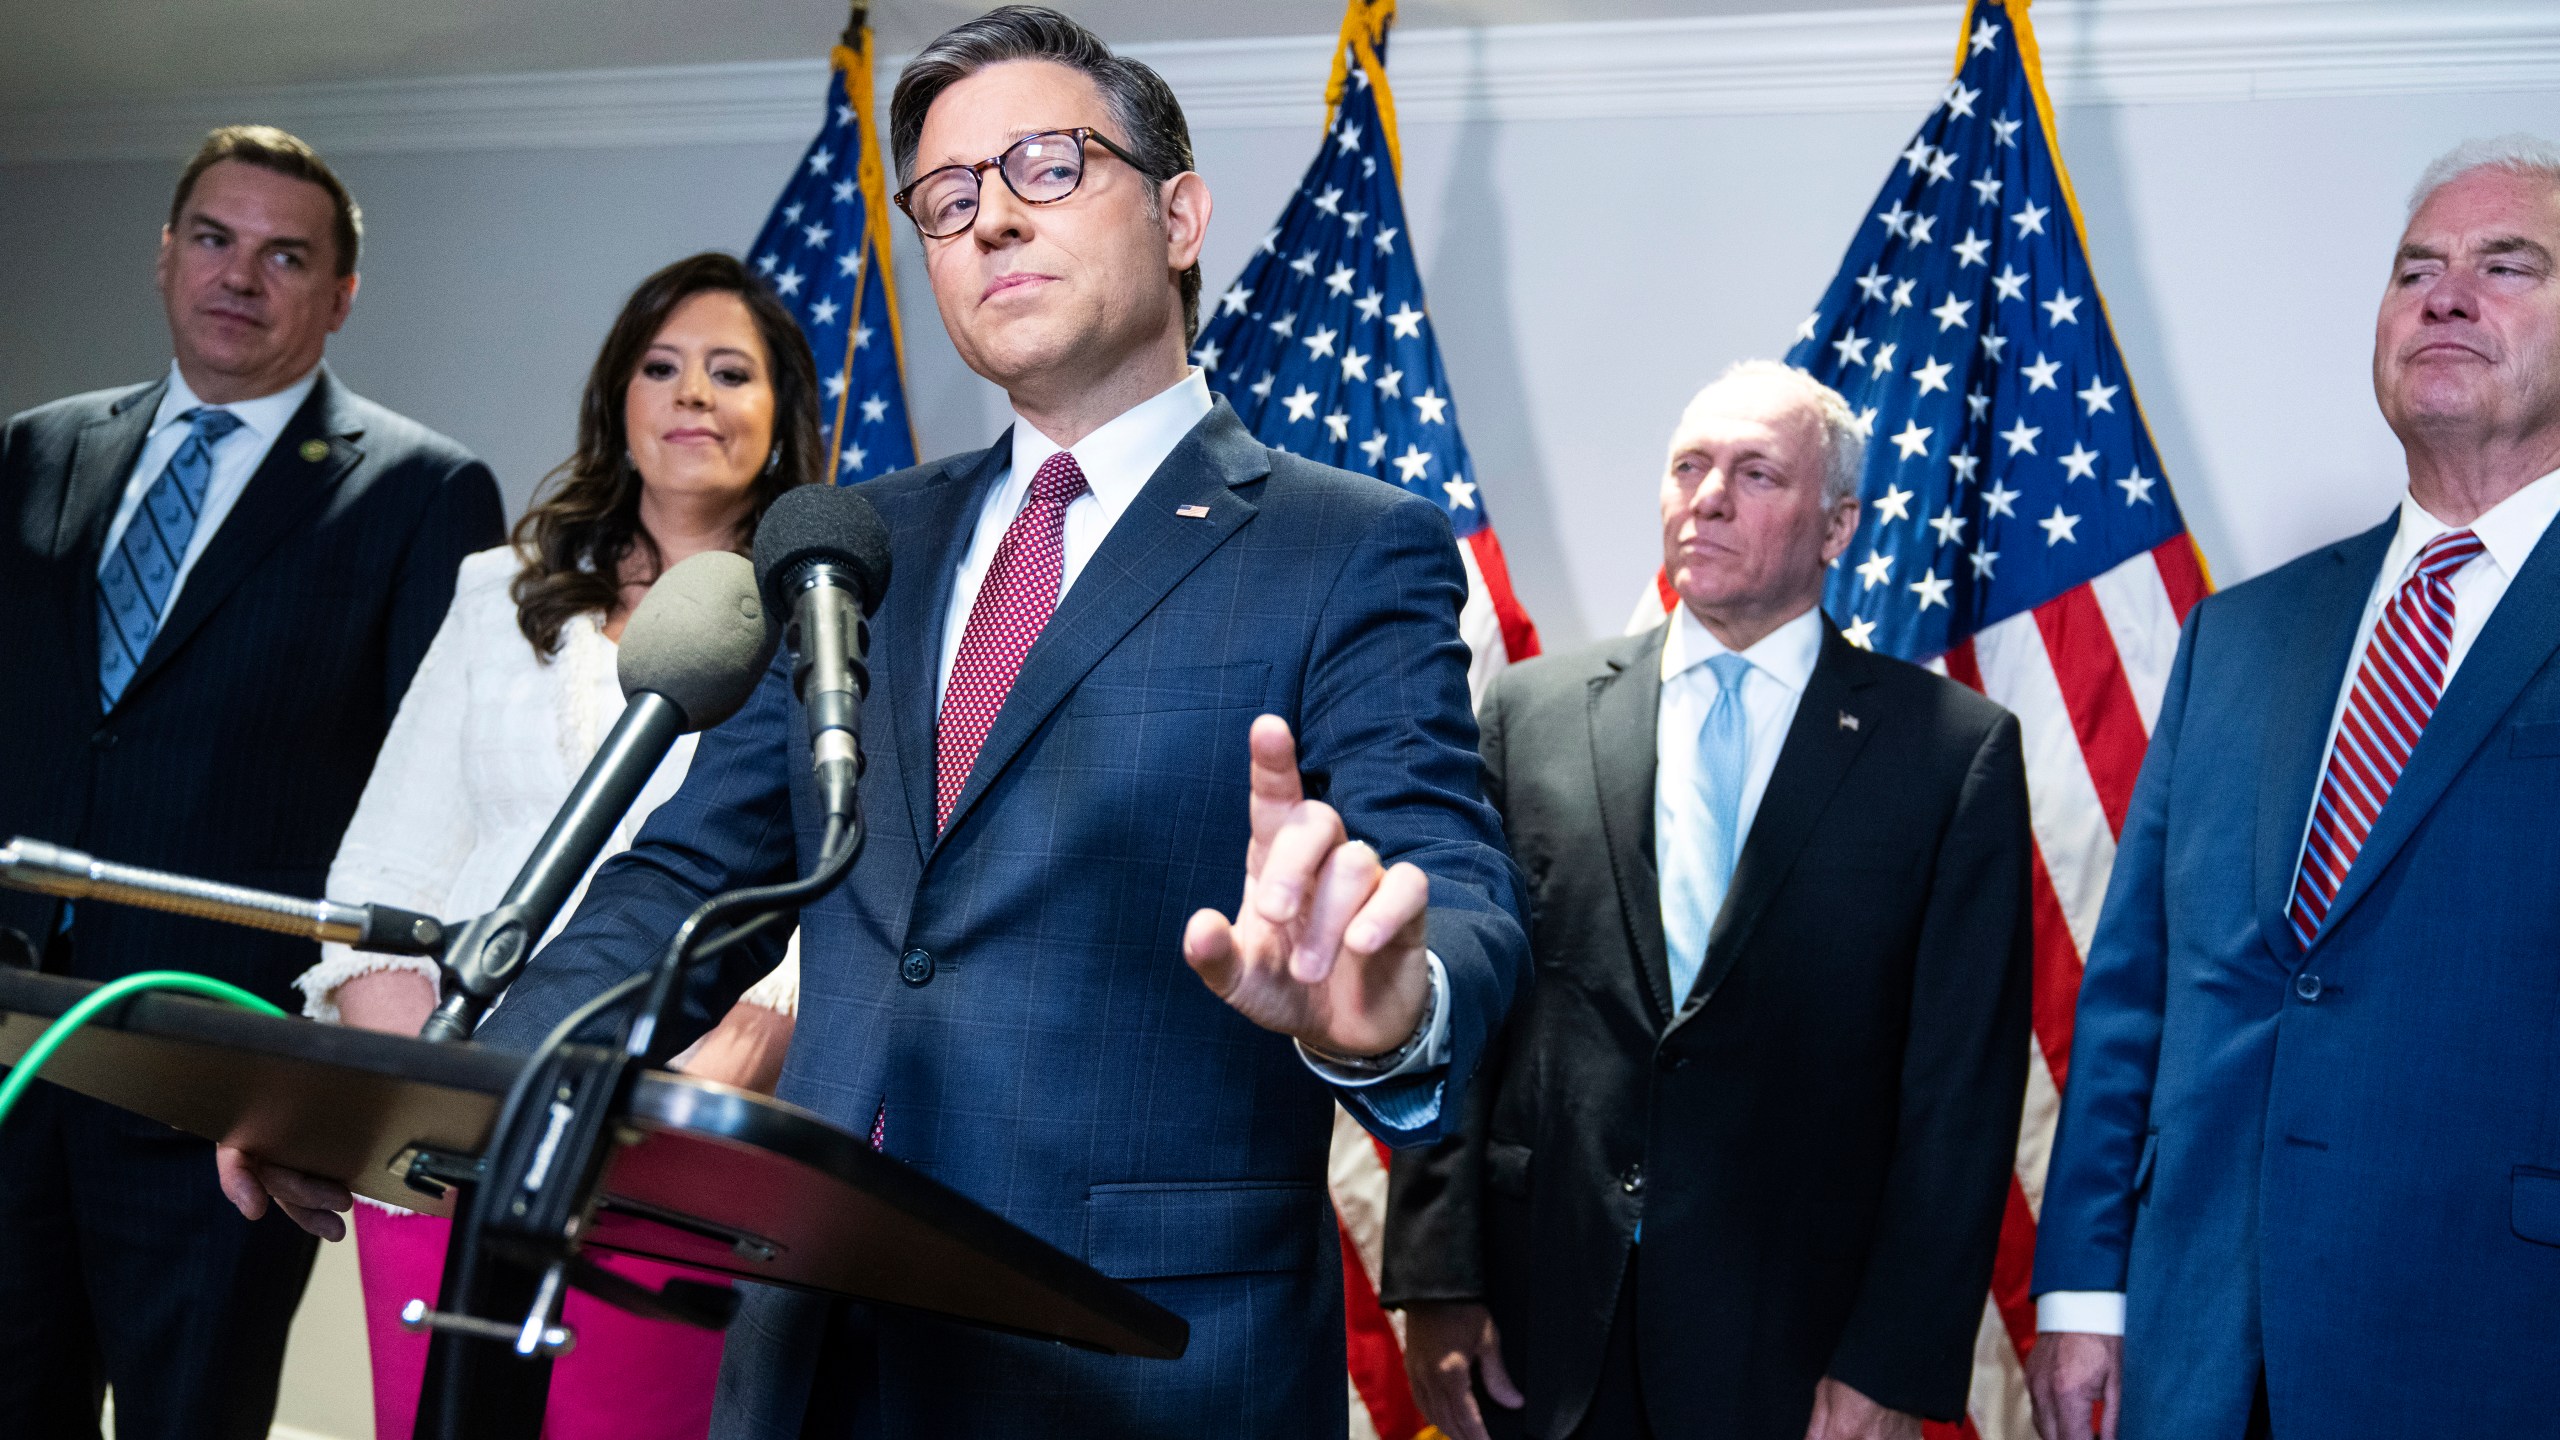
2087, 1312
339, 964
1431, 1054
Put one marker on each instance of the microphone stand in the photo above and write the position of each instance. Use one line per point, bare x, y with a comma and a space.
529, 1198
489, 951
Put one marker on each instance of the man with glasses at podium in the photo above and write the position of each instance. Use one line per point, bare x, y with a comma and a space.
1130, 661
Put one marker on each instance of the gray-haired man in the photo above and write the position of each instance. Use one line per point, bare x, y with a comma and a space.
1738, 1163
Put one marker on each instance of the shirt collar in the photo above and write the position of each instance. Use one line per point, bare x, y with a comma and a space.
2508, 530
266, 416
1118, 458
1786, 654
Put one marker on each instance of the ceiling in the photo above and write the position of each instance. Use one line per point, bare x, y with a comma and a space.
105, 51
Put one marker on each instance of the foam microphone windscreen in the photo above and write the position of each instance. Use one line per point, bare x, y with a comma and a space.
699, 638
821, 522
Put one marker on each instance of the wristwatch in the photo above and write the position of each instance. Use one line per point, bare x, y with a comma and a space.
1430, 1033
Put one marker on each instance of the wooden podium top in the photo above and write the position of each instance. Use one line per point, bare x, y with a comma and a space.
706, 1176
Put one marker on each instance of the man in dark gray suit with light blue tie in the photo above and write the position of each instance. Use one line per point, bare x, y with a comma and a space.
217, 587
1736, 1167
2307, 1180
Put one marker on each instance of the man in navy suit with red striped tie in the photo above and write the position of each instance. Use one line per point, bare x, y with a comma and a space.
1132, 665
2307, 1181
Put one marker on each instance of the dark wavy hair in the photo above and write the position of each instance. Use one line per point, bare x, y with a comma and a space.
585, 521
1142, 104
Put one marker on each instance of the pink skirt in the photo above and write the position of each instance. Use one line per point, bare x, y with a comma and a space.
628, 1378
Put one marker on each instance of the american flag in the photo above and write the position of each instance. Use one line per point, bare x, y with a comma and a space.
2018, 533
825, 251
1325, 348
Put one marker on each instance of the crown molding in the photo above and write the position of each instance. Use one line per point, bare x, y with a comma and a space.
2116, 52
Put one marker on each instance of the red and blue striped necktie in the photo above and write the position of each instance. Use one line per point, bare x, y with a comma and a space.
2396, 690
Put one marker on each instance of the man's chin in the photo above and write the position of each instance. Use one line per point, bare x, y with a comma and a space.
1025, 351
2448, 396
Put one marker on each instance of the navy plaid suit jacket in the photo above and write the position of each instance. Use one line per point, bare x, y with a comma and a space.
1054, 1058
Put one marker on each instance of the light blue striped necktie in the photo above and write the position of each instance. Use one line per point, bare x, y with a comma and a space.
134, 583
1703, 855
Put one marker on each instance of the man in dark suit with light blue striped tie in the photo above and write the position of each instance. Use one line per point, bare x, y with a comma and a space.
2307, 1180
217, 586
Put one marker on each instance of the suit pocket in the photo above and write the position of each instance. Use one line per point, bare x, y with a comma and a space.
2527, 742
2142, 1168
1506, 1168
2536, 1205
1154, 689
1214, 1227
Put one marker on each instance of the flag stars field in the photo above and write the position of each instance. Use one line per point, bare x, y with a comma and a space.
814, 248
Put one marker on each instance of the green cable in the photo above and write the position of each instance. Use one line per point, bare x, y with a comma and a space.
23, 1073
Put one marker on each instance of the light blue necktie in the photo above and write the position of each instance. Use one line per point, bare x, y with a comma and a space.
134, 583
1702, 858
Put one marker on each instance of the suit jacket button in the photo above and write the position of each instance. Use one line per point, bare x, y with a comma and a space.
1670, 1060
2307, 985
103, 739
916, 967
1633, 1181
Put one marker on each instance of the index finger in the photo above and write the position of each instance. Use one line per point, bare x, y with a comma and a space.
1276, 786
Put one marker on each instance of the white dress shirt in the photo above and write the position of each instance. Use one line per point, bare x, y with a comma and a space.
1118, 459
2508, 531
236, 457
1781, 665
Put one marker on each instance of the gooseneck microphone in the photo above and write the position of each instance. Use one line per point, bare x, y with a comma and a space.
822, 559
75, 875
690, 656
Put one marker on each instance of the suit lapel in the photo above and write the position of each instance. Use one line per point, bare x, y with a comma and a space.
2517, 643
1149, 550
934, 524
1625, 708
1811, 764
101, 462
285, 488
2302, 684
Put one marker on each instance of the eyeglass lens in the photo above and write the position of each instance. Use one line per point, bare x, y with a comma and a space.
1038, 168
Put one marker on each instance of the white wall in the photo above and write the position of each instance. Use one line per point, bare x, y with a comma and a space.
2241, 167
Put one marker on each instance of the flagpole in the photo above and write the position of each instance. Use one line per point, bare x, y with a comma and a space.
853, 55
1365, 24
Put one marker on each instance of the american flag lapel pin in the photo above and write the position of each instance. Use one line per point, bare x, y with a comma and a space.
1848, 721
1192, 512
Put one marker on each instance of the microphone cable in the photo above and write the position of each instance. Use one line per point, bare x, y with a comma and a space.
23, 1073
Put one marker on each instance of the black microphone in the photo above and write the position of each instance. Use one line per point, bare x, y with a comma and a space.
691, 654
822, 559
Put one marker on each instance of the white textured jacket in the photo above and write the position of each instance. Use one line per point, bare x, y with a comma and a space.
487, 744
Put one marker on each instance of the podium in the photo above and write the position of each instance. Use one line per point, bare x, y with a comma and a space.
701, 1174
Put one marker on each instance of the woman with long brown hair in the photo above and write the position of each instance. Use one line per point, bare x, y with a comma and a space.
700, 410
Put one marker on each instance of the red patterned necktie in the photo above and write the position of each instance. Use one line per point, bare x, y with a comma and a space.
2396, 690
1014, 603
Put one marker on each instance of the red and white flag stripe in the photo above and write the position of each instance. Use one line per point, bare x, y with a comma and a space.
1498, 633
